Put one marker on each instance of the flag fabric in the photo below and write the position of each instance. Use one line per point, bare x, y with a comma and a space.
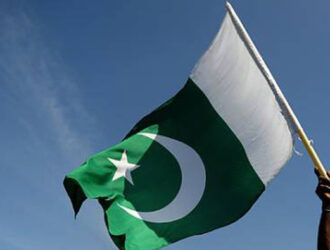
196, 163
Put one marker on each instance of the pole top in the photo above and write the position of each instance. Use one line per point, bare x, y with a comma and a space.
228, 5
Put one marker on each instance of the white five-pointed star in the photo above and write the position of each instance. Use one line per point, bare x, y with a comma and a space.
124, 168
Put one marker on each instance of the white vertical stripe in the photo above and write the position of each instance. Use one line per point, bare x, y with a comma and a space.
238, 91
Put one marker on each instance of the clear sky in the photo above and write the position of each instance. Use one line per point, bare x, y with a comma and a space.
76, 75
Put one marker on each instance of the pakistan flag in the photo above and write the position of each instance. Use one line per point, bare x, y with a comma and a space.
196, 163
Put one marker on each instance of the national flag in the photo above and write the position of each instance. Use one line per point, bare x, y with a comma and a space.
196, 163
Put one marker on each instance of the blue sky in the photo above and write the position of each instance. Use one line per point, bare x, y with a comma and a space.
75, 76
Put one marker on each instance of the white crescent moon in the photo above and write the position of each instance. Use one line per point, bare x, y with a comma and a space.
192, 184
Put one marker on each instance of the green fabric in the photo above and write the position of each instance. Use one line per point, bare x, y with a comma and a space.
231, 188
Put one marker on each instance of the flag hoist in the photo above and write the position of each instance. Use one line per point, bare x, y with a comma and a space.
277, 91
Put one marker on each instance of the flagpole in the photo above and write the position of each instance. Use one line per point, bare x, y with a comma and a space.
288, 112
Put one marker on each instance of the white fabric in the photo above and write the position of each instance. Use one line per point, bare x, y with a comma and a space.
236, 88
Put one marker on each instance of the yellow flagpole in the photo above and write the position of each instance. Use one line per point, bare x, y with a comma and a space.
315, 158
287, 110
